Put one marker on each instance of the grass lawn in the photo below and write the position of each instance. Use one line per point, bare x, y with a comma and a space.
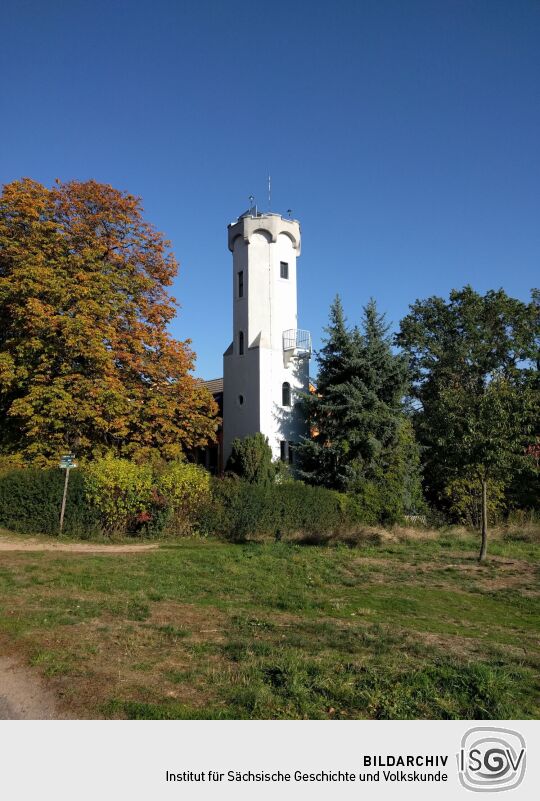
205, 629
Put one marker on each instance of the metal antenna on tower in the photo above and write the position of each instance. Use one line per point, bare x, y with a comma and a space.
289, 212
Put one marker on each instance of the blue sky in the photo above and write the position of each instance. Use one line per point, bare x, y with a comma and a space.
405, 137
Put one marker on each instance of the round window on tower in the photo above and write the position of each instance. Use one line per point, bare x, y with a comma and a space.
240, 400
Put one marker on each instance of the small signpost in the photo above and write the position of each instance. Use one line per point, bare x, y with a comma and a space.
66, 463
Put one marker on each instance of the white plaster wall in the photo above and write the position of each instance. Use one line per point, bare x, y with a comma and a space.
268, 308
240, 377
240, 305
283, 291
277, 422
259, 298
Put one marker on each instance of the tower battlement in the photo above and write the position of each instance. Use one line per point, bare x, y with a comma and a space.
272, 224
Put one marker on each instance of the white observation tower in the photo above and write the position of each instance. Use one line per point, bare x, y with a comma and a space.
267, 363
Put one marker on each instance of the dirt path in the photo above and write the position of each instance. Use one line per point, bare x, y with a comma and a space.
12, 544
23, 695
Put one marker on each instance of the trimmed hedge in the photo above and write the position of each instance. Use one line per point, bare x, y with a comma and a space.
176, 501
238, 510
30, 501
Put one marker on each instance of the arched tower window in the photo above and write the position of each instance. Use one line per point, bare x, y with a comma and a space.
241, 343
286, 394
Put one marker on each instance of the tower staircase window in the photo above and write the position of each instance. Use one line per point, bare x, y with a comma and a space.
286, 451
286, 394
241, 284
283, 269
241, 343
291, 453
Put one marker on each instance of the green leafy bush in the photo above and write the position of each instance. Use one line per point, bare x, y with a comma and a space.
30, 501
184, 488
122, 493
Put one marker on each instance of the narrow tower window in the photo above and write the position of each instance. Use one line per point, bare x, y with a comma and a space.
241, 284
241, 343
291, 452
284, 450
286, 394
283, 269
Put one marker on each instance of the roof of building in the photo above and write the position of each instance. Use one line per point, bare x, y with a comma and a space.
214, 386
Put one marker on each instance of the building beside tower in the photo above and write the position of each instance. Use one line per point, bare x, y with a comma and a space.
266, 366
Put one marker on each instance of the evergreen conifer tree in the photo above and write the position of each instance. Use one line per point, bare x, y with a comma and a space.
322, 457
356, 413
251, 459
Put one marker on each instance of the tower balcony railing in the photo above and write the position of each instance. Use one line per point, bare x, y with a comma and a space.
298, 341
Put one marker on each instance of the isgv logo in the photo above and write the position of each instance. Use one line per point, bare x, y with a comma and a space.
491, 759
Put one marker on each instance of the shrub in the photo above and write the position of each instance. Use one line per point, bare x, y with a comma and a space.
116, 496
121, 491
238, 511
251, 459
30, 501
283, 472
369, 497
184, 488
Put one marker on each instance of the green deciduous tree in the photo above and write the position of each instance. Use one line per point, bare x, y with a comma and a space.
471, 361
465, 500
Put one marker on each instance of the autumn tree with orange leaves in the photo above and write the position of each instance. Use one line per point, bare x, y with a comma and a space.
86, 362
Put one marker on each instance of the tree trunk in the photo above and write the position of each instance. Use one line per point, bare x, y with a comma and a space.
483, 547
